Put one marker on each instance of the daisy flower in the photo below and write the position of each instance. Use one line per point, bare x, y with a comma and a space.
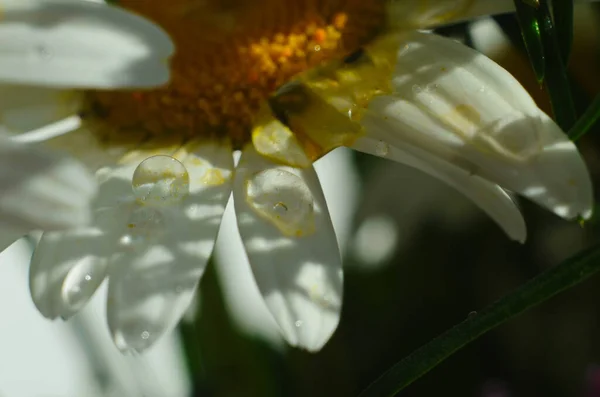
284, 83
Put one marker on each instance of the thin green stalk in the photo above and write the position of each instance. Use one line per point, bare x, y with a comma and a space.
587, 121
557, 81
544, 286
547, 55
530, 32
562, 11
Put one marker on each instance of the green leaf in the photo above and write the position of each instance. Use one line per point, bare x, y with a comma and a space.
562, 11
530, 30
547, 284
538, 29
557, 81
587, 121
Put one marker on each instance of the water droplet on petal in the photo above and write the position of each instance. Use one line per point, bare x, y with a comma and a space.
133, 335
81, 283
382, 149
299, 323
160, 180
284, 199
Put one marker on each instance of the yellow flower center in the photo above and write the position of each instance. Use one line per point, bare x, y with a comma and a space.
231, 55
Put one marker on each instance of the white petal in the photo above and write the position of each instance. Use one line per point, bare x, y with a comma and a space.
453, 102
241, 295
24, 108
488, 196
83, 145
153, 282
404, 14
41, 190
284, 224
65, 43
66, 269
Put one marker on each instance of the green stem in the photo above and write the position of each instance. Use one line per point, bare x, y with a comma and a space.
534, 292
556, 79
587, 121
547, 55
562, 11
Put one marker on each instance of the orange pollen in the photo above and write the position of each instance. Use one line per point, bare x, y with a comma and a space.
231, 55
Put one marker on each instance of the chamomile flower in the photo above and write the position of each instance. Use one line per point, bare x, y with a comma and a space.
285, 83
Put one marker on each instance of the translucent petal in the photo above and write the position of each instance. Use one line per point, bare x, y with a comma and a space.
41, 190
72, 44
66, 269
488, 196
153, 279
241, 295
454, 103
289, 239
416, 14
24, 108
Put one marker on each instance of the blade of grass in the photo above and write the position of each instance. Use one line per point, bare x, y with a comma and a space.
562, 11
547, 284
530, 31
556, 79
543, 47
587, 121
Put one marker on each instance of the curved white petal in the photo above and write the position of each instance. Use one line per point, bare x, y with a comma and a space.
41, 190
488, 196
284, 224
241, 295
83, 145
416, 14
64, 43
453, 102
66, 269
25, 108
164, 254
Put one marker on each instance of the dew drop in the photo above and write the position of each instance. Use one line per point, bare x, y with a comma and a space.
416, 89
145, 335
283, 199
298, 323
81, 282
382, 149
472, 314
160, 180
